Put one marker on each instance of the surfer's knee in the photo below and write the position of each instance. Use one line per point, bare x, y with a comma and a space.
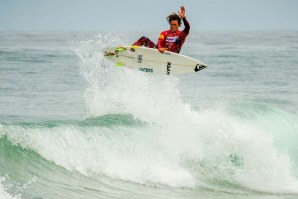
144, 38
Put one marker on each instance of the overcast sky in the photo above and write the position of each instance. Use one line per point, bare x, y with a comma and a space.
146, 15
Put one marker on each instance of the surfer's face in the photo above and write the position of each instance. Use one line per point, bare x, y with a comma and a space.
174, 25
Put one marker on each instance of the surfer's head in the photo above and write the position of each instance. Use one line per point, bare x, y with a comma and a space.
174, 21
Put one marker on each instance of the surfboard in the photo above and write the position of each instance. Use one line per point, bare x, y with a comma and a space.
150, 60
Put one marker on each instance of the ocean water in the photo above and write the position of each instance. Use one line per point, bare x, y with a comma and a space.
74, 126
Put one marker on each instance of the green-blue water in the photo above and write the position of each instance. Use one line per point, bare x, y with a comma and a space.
74, 126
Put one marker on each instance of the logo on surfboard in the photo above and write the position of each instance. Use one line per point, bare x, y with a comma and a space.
147, 70
140, 59
199, 67
168, 68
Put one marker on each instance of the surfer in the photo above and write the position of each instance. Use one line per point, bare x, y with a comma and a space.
172, 39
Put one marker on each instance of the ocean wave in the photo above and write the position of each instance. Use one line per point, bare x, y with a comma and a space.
140, 131
236, 152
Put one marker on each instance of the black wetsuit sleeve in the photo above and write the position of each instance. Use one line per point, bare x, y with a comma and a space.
187, 26
184, 33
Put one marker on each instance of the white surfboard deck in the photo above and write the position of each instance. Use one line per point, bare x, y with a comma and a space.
152, 61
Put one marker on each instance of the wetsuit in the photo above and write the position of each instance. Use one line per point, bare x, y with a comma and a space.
173, 41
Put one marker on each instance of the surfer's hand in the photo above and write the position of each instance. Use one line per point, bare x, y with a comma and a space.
162, 50
182, 12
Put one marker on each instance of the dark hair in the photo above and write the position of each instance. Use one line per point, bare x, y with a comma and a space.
174, 16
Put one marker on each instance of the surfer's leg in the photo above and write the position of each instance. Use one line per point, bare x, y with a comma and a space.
144, 41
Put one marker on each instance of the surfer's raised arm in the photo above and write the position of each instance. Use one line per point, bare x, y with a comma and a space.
185, 22
182, 12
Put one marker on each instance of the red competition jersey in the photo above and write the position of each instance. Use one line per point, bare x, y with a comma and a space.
173, 40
